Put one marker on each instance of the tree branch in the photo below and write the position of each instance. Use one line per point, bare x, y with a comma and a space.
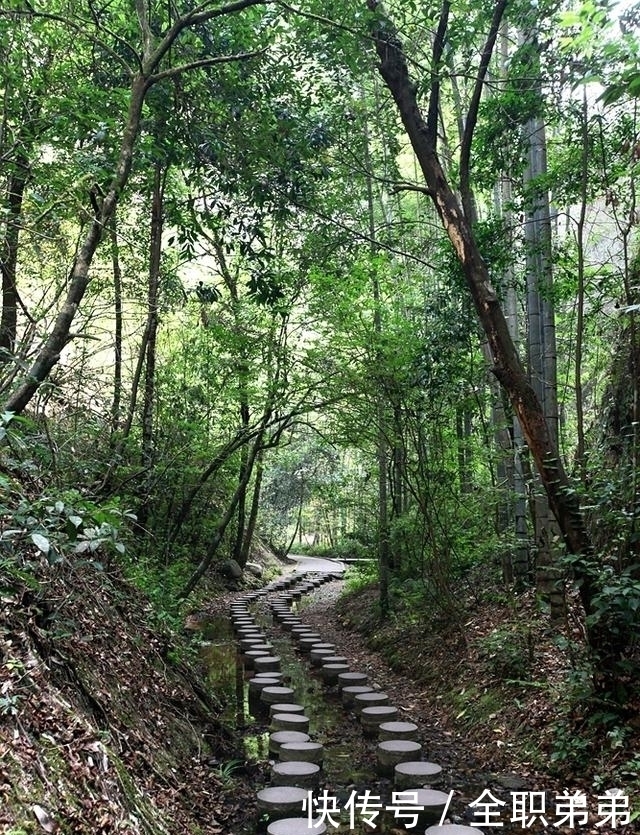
145, 28
205, 62
434, 94
194, 18
474, 104
80, 29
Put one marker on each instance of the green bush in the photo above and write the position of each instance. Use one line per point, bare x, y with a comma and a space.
507, 652
360, 575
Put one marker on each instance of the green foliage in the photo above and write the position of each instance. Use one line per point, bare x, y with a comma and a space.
589, 729
225, 771
473, 706
498, 139
508, 652
64, 525
360, 576
161, 584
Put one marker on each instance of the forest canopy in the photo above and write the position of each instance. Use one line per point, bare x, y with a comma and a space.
354, 275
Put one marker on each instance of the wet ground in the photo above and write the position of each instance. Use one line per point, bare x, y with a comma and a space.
350, 759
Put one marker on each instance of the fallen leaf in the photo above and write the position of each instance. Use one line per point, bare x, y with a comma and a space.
44, 819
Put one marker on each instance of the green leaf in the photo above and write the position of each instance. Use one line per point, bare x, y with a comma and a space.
41, 542
612, 94
76, 521
633, 87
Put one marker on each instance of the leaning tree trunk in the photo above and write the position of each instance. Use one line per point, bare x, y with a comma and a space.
79, 274
219, 533
507, 365
147, 73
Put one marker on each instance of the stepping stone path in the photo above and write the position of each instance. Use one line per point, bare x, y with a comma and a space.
298, 771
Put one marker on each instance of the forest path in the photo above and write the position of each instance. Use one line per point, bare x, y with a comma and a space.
470, 765
412, 698
321, 565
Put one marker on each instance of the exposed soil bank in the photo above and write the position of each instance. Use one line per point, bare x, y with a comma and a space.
106, 726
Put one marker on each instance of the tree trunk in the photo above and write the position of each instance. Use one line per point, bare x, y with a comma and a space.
79, 275
507, 365
384, 549
541, 339
9, 257
253, 513
223, 525
580, 300
151, 331
117, 333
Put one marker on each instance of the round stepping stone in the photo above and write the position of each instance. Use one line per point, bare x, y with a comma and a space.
371, 699
432, 804
273, 674
281, 801
395, 751
296, 773
372, 717
319, 651
243, 623
309, 752
279, 738
257, 685
288, 623
301, 629
290, 722
250, 656
335, 659
272, 694
446, 829
397, 730
349, 693
285, 707
330, 672
245, 641
266, 663
311, 636
252, 642
306, 644
415, 773
260, 643
297, 826
247, 631
352, 679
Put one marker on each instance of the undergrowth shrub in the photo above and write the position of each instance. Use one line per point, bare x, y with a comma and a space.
508, 652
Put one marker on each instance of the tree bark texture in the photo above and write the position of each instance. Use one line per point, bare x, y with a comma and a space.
253, 512
117, 329
507, 365
9, 257
155, 255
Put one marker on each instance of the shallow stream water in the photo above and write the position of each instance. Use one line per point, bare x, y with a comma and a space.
349, 759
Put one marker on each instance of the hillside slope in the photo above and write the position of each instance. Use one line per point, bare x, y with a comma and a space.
106, 727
